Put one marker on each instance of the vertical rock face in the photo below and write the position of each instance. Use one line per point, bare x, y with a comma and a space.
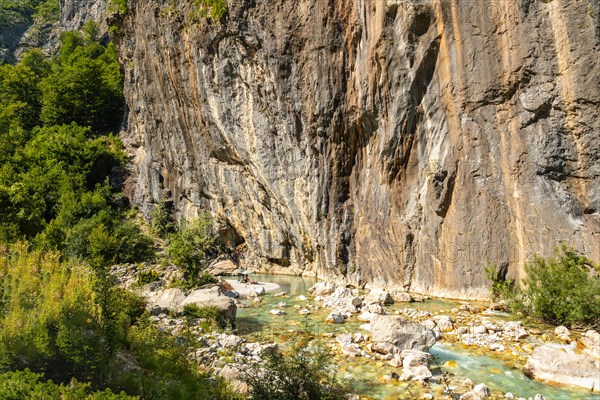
378, 142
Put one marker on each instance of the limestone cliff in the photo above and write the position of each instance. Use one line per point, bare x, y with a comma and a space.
379, 142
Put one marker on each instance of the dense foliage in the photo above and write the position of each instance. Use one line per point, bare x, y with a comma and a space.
15, 12
564, 289
59, 160
190, 247
26, 385
63, 320
305, 374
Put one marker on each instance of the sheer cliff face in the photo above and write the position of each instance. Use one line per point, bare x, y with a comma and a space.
394, 143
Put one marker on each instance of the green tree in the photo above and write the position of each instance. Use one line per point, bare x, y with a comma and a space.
191, 247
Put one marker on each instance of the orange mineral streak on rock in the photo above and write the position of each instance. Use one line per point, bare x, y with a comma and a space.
381, 143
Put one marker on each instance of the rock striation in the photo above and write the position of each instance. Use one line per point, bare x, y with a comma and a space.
375, 142
386, 143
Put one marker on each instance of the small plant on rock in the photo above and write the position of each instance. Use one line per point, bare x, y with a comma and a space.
146, 277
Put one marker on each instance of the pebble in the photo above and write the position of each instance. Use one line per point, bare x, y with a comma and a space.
277, 312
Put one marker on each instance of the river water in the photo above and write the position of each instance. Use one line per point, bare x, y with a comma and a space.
366, 375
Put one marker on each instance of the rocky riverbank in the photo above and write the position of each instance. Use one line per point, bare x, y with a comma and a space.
401, 338
391, 332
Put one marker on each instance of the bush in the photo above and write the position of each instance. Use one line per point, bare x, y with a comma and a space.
146, 277
26, 385
191, 247
561, 290
161, 219
305, 374
213, 318
49, 321
119, 6
502, 289
215, 9
558, 290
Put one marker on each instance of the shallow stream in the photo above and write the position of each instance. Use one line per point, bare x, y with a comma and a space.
454, 360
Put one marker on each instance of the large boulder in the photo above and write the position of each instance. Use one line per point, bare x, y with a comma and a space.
392, 334
213, 297
162, 301
564, 366
322, 288
444, 323
591, 344
344, 300
378, 296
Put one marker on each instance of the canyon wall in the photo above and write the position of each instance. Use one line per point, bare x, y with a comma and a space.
387, 143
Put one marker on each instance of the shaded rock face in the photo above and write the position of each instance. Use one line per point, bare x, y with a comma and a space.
373, 142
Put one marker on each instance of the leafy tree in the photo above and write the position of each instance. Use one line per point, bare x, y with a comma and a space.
56, 161
191, 247
85, 86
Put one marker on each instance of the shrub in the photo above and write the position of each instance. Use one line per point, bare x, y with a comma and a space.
305, 374
146, 277
49, 321
133, 245
213, 318
62, 320
161, 219
191, 247
561, 289
119, 6
26, 385
215, 9
558, 290
502, 289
